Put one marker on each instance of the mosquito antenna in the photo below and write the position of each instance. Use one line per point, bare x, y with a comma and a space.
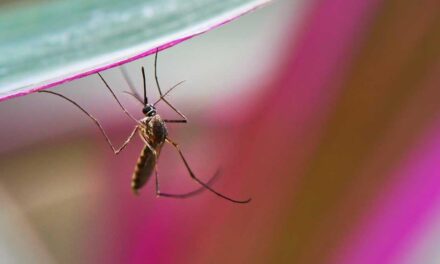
167, 92
145, 86
117, 100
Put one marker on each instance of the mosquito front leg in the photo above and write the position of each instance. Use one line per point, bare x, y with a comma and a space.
116, 151
117, 100
193, 176
183, 195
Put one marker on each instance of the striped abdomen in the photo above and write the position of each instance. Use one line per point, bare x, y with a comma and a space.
144, 168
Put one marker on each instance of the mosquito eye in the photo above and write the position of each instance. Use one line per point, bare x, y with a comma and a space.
149, 110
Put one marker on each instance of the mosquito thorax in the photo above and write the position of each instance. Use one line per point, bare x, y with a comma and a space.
149, 110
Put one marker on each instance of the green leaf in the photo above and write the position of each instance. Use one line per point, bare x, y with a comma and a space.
47, 43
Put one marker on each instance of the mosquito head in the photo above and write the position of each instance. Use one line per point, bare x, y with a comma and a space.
149, 110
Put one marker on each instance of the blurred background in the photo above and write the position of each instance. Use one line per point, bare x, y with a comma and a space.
324, 112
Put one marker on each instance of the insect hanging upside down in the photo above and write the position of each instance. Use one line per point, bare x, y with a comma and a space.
153, 132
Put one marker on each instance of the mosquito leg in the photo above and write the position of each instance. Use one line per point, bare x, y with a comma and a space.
184, 195
175, 121
160, 91
157, 182
115, 150
155, 73
150, 147
117, 100
184, 120
130, 84
193, 176
167, 92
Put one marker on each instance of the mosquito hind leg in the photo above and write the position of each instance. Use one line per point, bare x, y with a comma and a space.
183, 195
193, 176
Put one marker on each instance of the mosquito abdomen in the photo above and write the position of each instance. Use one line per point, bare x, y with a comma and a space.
144, 168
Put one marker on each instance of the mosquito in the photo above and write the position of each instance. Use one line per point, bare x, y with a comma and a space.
153, 132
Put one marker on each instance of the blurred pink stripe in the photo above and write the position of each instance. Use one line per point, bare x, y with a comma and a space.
326, 48
402, 208
287, 122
